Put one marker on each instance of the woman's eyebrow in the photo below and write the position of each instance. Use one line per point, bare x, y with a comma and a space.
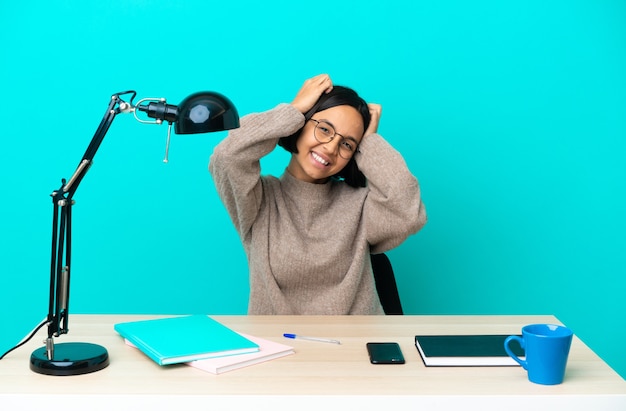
325, 120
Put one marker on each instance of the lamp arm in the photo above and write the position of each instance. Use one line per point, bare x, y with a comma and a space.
58, 308
116, 106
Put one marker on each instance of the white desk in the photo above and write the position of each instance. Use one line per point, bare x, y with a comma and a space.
325, 376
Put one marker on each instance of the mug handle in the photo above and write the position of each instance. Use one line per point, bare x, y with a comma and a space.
508, 350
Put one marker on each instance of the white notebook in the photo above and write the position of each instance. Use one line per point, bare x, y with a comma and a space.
268, 350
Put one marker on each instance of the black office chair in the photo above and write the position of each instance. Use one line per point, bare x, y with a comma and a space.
386, 284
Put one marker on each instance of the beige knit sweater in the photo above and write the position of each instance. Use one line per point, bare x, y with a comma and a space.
308, 245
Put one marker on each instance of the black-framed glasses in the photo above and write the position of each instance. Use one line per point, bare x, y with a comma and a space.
325, 133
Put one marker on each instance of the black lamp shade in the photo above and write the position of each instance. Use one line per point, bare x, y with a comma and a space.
204, 112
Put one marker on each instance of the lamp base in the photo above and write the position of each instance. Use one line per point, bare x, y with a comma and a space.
73, 358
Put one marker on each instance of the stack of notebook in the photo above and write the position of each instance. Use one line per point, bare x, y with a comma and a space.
200, 342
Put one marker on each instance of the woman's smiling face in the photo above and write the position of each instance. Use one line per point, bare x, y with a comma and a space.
316, 162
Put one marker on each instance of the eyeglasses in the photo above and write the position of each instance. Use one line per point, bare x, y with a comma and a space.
325, 133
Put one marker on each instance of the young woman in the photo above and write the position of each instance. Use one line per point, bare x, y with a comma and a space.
346, 193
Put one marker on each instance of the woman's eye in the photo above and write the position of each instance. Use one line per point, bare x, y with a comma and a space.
347, 145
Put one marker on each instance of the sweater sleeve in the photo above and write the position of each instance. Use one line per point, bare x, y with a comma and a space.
235, 162
393, 209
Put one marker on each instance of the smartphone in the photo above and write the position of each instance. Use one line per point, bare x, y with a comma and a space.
385, 353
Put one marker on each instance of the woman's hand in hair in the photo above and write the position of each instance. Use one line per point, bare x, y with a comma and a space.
311, 91
376, 110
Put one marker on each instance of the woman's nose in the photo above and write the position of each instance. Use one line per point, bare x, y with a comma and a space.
333, 145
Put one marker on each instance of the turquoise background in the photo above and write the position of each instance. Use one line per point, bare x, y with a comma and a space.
511, 114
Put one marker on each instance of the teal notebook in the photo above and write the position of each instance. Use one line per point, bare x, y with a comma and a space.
182, 339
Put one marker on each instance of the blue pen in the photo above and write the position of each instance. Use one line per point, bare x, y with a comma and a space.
302, 337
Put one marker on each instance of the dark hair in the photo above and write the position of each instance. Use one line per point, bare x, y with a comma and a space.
338, 96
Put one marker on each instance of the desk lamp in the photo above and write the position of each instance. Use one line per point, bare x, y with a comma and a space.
198, 113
